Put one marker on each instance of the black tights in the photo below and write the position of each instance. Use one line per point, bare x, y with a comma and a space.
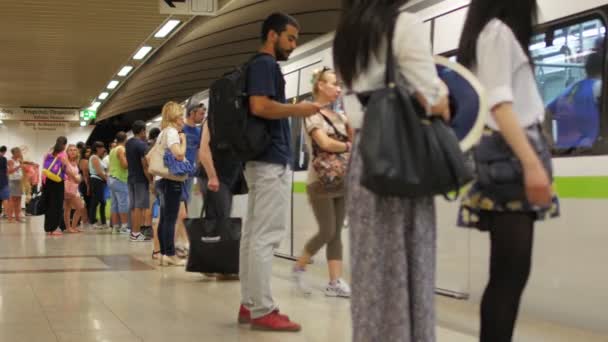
511, 236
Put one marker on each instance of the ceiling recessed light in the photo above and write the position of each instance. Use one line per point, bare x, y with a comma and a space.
113, 84
143, 52
125, 71
167, 28
104, 95
95, 105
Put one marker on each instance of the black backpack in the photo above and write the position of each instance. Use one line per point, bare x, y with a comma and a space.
232, 129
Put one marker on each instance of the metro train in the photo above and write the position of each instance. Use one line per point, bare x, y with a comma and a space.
568, 282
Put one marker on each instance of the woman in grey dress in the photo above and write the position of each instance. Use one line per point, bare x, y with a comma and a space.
392, 239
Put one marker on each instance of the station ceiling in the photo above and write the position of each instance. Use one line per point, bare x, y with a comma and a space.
61, 53
210, 46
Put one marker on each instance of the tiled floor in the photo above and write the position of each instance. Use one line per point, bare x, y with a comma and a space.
100, 287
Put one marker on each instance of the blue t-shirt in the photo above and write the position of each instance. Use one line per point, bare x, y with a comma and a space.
193, 142
265, 78
136, 149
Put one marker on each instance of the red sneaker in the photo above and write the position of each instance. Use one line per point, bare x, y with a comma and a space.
274, 322
245, 315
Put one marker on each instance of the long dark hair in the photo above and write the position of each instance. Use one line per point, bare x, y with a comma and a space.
60, 145
519, 15
363, 27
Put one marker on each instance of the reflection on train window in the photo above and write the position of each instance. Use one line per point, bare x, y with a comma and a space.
569, 64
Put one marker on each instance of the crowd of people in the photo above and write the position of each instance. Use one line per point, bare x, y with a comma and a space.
392, 239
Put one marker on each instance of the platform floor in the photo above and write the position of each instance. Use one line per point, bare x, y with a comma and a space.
100, 287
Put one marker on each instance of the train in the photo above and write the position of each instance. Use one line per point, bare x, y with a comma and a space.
567, 286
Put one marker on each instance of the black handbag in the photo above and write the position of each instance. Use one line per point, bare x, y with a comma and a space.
214, 244
500, 173
405, 153
36, 205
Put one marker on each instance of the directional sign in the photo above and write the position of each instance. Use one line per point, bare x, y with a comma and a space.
189, 7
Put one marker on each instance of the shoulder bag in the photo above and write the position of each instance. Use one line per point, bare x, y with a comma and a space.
48, 170
405, 153
156, 160
330, 167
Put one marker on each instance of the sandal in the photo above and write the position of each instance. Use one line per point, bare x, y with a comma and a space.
155, 255
57, 233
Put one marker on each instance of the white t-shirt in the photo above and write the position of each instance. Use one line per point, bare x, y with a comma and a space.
172, 138
505, 71
412, 51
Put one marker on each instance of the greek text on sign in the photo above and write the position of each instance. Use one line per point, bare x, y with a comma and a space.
39, 114
189, 7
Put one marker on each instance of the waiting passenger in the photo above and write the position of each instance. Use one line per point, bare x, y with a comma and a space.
169, 190
139, 195
84, 187
576, 111
327, 132
5, 192
195, 114
117, 182
494, 45
72, 200
149, 213
54, 173
269, 175
98, 181
392, 239
15, 177
221, 177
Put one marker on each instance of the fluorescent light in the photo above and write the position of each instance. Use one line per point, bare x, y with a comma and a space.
83, 123
113, 84
167, 28
125, 71
148, 124
158, 119
95, 105
1, 122
104, 95
143, 51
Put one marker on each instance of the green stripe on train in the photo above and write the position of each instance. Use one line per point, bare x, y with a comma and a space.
567, 187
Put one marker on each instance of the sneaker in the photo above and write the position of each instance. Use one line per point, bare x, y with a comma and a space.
182, 252
274, 322
137, 237
298, 277
115, 230
339, 289
124, 230
245, 315
99, 226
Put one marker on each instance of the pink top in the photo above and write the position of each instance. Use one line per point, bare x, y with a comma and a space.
71, 187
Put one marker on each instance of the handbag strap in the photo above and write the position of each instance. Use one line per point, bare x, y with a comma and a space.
332, 126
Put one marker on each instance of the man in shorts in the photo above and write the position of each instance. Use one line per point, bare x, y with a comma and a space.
139, 195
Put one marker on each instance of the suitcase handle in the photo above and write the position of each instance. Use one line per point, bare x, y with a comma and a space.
211, 239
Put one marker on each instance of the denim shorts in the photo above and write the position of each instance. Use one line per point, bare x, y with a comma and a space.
120, 195
139, 196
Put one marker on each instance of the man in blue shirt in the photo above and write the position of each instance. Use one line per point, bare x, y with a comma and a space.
195, 114
137, 181
269, 176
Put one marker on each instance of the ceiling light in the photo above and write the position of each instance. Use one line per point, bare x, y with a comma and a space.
148, 124
113, 84
104, 95
167, 28
158, 119
1, 122
143, 51
83, 123
125, 71
95, 105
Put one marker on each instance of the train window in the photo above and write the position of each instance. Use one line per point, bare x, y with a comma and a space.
569, 65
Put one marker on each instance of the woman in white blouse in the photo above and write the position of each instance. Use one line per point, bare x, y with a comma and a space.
494, 45
392, 239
